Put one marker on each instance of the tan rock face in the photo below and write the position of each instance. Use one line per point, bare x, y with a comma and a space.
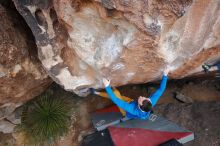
21, 74
80, 42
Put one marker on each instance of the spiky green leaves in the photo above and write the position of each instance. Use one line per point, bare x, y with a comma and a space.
46, 118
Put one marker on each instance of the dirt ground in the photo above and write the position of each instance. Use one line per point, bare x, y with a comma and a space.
200, 116
196, 89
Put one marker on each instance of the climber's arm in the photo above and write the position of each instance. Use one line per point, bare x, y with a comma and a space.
157, 94
127, 99
120, 103
218, 66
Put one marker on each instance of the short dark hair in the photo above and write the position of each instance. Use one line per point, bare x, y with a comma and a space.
146, 106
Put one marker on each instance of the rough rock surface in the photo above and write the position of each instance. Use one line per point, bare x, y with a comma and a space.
202, 118
128, 41
10, 116
6, 127
21, 74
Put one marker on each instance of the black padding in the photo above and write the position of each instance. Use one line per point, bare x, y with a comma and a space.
99, 138
172, 142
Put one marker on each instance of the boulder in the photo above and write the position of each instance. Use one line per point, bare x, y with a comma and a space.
7, 109
22, 76
6, 127
128, 41
10, 116
182, 98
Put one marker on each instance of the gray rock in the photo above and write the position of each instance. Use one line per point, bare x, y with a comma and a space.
2, 74
6, 127
181, 97
15, 117
7, 109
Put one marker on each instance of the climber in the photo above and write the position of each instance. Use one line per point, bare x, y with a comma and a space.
117, 93
139, 109
213, 67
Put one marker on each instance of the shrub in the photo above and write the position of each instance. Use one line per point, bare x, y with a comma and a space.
45, 119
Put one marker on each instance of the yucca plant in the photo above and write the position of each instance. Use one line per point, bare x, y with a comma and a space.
45, 119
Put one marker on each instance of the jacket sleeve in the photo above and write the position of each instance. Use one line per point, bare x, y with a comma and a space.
120, 103
157, 94
218, 66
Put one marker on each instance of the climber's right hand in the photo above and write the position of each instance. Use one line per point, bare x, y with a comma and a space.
166, 71
106, 82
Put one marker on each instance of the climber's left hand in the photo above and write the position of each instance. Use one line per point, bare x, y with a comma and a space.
106, 82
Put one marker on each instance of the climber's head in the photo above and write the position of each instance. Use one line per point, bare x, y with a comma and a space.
144, 104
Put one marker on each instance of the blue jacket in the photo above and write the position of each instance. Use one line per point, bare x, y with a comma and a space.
218, 66
132, 109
